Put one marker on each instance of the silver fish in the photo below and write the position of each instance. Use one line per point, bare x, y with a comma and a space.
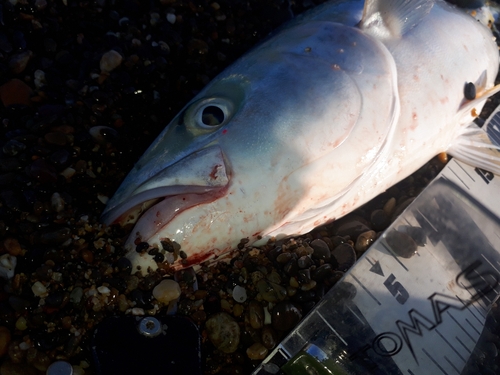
329, 112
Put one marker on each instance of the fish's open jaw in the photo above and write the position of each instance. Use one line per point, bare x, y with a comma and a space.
198, 178
162, 213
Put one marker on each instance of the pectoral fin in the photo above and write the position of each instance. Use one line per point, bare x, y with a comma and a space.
385, 19
480, 147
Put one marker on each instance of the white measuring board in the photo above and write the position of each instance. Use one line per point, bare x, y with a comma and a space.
398, 311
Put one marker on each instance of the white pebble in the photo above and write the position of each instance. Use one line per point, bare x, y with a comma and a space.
167, 290
109, 61
38, 289
103, 289
57, 202
169, 258
68, 173
7, 266
239, 294
171, 18
24, 346
137, 311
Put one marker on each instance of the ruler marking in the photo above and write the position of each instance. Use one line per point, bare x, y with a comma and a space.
356, 315
333, 329
428, 222
462, 181
451, 346
394, 256
302, 337
465, 347
474, 328
365, 289
474, 304
467, 173
468, 306
491, 264
452, 365
369, 261
434, 361
284, 352
463, 329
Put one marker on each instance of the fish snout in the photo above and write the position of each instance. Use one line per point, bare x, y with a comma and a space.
200, 176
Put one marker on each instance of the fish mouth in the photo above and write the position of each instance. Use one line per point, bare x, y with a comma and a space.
199, 178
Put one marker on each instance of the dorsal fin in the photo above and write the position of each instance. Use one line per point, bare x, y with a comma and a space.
387, 19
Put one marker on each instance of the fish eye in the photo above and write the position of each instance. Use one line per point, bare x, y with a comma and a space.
207, 115
212, 115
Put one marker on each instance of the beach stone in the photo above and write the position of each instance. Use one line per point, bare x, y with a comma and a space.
364, 240
5, 338
110, 61
167, 290
345, 256
223, 332
15, 92
321, 250
257, 351
285, 316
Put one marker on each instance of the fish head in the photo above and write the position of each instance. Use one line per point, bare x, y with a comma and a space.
240, 160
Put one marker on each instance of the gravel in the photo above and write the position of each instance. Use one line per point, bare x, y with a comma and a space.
85, 87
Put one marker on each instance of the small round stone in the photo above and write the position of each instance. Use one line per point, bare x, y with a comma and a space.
401, 244
60, 368
257, 351
379, 219
12, 246
110, 61
167, 290
364, 240
285, 316
223, 332
256, 314
5, 337
321, 250
345, 256
38, 289
269, 337
239, 294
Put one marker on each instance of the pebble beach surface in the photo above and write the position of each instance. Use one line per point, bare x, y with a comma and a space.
85, 87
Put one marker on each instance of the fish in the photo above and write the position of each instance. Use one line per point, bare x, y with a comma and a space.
327, 113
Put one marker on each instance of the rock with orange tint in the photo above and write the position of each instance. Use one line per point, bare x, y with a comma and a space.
14, 92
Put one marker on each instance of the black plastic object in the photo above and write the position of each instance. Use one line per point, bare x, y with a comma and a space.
119, 347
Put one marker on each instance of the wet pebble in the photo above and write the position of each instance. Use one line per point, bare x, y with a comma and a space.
321, 250
239, 294
5, 338
380, 219
364, 240
269, 337
416, 233
256, 314
56, 138
401, 244
345, 256
15, 92
167, 290
271, 292
223, 332
13, 147
351, 227
12, 246
110, 61
285, 315
19, 61
257, 351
